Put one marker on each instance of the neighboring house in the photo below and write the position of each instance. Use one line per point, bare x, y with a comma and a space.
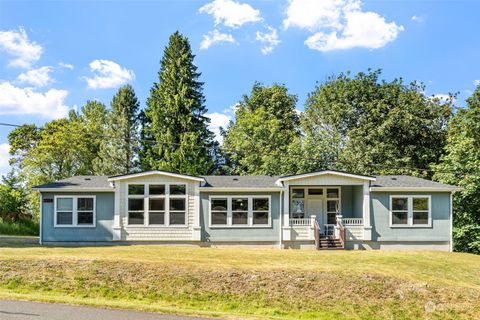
326, 209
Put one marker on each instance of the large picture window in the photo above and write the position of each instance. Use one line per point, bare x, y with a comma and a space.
74, 211
240, 211
157, 204
410, 211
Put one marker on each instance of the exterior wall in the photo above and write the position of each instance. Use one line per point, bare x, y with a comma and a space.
398, 245
357, 202
104, 208
243, 234
150, 233
380, 215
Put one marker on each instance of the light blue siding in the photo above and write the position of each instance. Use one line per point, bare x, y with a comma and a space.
352, 201
231, 234
439, 231
101, 232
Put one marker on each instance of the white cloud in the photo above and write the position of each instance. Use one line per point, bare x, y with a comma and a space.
4, 158
108, 74
476, 82
218, 120
27, 101
65, 65
215, 36
23, 51
418, 19
340, 25
231, 13
37, 77
442, 97
270, 39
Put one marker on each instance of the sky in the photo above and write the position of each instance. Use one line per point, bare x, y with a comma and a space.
56, 55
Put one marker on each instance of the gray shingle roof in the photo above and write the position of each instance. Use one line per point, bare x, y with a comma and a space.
78, 183
399, 181
92, 183
241, 181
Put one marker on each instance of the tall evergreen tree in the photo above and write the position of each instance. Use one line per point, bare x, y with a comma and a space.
175, 116
118, 153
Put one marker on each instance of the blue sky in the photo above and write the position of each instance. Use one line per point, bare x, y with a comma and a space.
56, 55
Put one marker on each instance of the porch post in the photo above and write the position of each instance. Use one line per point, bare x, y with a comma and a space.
286, 212
117, 223
367, 228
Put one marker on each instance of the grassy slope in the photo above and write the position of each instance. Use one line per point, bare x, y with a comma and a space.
247, 282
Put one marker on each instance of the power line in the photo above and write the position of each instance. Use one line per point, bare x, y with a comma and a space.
226, 150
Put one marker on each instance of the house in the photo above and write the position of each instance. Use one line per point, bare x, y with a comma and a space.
324, 209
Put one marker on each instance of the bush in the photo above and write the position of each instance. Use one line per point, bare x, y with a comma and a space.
23, 227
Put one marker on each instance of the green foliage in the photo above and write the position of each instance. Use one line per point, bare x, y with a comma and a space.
379, 127
461, 166
175, 116
22, 227
266, 124
13, 198
118, 152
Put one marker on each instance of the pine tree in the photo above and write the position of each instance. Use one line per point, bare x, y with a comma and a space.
119, 150
175, 116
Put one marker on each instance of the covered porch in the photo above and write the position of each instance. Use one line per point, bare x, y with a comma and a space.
326, 204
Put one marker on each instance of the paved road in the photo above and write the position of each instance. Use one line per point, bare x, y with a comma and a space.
16, 310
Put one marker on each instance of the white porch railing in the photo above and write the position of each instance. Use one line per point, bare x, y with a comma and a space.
352, 221
301, 222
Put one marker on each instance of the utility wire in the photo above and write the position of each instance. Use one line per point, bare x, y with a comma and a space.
226, 150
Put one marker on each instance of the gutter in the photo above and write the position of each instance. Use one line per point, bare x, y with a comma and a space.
218, 189
410, 189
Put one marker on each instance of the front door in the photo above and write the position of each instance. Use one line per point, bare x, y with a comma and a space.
315, 207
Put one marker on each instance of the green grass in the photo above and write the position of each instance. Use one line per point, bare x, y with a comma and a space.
20, 228
248, 283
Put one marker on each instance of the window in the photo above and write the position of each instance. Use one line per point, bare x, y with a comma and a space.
298, 203
74, 211
244, 211
136, 189
410, 211
85, 211
420, 210
399, 211
156, 211
177, 211
136, 214
333, 193
157, 204
156, 189
219, 211
261, 208
333, 205
315, 191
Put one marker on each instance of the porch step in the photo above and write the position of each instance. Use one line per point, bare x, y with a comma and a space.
329, 243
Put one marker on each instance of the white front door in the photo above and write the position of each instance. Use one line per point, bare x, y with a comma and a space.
315, 207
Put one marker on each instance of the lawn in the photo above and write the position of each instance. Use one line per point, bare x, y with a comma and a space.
248, 283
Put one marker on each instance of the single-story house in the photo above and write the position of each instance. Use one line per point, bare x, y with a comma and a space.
324, 210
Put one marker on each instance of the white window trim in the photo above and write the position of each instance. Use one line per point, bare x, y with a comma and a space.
74, 211
306, 197
410, 212
146, 206
229, 224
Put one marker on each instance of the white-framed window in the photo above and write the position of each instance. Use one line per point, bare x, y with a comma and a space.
156, 204
74, 211
297, 204
240, 211
333, 204
410, 211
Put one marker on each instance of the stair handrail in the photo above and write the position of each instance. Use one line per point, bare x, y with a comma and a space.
341, 230
316, 234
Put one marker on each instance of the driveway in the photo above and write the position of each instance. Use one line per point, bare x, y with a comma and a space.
24, 310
